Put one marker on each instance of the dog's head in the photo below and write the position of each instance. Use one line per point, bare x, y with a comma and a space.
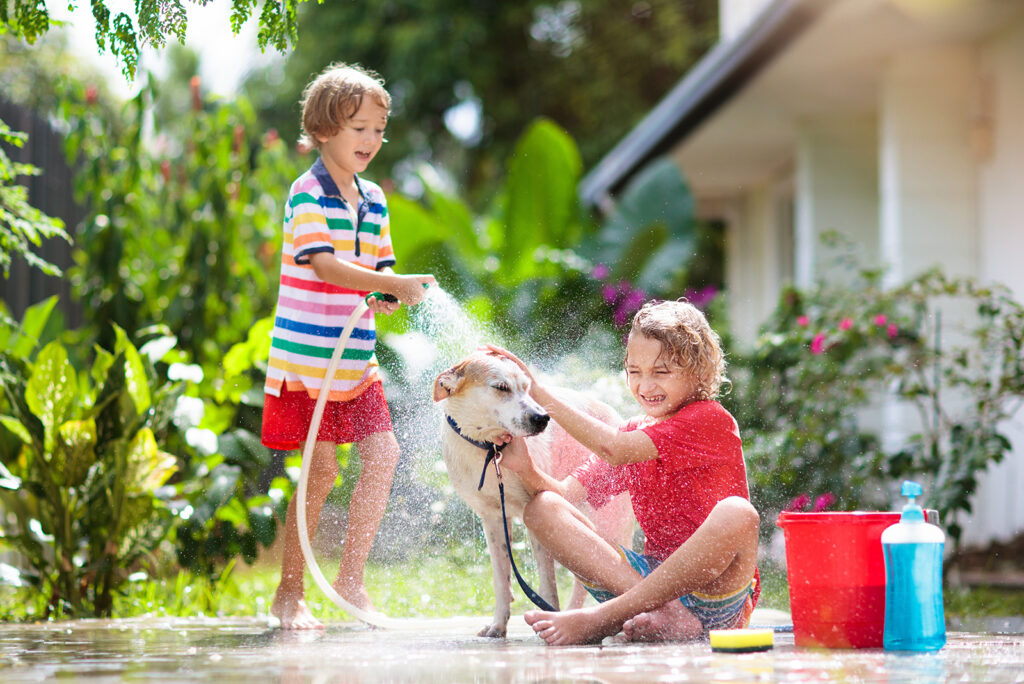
488, 396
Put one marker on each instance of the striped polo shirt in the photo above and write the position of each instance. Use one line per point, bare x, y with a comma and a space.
311, 314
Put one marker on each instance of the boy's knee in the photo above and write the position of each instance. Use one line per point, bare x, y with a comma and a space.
540, 507
740, 512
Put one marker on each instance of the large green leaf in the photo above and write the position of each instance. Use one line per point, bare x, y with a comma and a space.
16, 428
256, 347
652, 234
77, 442
134, 372
541, 204
33, 322
148, 467
412, 226
50, 392
456, 220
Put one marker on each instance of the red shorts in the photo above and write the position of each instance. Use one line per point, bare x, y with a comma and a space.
286, 418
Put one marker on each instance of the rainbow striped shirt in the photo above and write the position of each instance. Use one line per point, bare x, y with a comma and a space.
312, 313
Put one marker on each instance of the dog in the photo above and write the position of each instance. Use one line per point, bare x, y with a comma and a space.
487, 398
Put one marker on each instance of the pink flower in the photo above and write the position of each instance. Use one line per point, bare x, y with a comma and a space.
803, 321
881, 319
600, 272
892, 330
798, 503
824, 501
609, 293
818, 344
846, 324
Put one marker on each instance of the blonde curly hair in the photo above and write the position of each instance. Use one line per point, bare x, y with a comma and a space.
334, 96
685, 334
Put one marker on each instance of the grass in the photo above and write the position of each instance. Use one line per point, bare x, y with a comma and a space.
436, 584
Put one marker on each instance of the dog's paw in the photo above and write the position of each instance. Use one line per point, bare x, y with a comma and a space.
493, 631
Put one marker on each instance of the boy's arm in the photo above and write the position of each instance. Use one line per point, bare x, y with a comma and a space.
611, 444
516, 457
408, 288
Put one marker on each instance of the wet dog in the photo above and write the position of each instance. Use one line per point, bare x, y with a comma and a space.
487, 398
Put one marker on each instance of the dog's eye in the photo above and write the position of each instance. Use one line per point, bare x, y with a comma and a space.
502, 387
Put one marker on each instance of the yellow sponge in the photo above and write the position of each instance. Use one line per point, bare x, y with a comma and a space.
741, 640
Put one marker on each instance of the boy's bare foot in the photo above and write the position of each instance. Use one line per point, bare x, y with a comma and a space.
293, 612
583, 626
354, 591
671, 622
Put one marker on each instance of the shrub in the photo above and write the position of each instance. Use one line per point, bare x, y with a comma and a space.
950, 349
80, 481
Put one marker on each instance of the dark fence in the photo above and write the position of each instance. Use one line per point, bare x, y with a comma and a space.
52, 193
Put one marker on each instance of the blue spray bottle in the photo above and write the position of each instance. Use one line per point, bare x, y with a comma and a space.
914, 616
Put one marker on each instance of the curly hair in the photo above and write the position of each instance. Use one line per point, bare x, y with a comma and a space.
685, 334
333, 97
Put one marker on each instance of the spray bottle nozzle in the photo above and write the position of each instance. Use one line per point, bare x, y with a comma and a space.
911, 490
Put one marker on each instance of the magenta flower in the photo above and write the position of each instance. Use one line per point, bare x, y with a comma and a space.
881, 319
702, 297
634, 300
824, 501
892, 330
803, 321
609, 293
798, 503
846, 324
818, 344
600, 272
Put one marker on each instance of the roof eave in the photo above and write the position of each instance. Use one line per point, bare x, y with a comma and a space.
721, 73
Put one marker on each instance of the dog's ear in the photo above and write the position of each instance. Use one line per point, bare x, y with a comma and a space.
447, 383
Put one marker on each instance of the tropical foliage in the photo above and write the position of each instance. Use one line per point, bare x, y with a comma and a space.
124, 31
83, 477
22, 227
854, 387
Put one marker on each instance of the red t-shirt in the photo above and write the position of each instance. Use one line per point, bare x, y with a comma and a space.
699, 463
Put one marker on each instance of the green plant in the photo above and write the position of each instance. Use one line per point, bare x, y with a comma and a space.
22, 226
81, 482
965, 381
187, 235
949, 348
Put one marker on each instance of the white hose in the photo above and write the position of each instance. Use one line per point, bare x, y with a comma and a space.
375, 619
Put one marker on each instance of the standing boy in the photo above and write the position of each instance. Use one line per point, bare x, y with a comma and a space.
682, 463
336, 249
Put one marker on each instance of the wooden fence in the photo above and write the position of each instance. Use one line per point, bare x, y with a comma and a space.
52, 193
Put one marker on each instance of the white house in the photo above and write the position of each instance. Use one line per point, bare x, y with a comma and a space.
899, 123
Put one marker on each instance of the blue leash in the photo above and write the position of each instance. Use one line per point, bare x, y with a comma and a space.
493, 450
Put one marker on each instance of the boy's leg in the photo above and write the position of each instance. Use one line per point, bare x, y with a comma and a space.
575, 543
719, 558
378, 454
289, 604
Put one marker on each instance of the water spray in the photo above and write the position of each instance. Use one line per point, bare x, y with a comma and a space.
372, 618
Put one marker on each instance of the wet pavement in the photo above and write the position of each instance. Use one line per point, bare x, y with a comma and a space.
446, 650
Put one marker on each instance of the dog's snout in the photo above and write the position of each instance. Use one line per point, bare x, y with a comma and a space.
539, 421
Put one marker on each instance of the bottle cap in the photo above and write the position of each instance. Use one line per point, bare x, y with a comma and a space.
911, 512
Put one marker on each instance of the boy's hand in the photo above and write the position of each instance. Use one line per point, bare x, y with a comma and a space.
500, 351
516, 457
411, 289
383, 306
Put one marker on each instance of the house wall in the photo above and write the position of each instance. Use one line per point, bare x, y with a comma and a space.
999, 145
736, 15
754, 258
836, 190
928, 175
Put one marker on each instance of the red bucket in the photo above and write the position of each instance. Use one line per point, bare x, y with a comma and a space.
836, 577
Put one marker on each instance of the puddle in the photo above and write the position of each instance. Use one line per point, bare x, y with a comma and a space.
446, 650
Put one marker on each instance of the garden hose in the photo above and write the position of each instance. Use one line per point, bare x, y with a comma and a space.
372, 618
